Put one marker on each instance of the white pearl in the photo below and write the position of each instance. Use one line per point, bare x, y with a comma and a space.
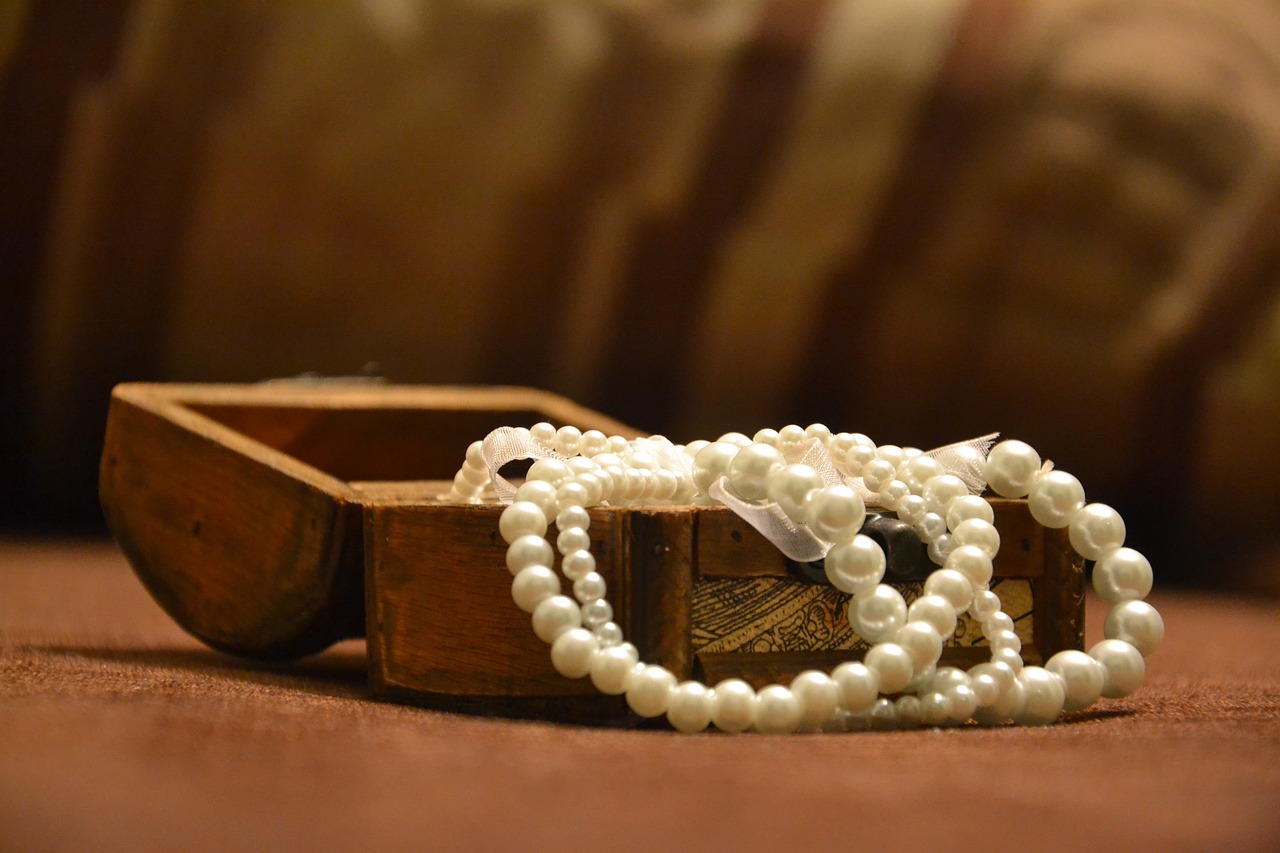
594, 442
568, 440
908, 711
919, 470
767, 436
642, 459
912, 509
892, 664
877, 472
892, 492
891, 453
876, 615
573, 516
858, 686
985, 604
571, 494
995, 623
553, 471
577, 564
1123, 665
521, 518
972, 562
939, 549
1011, 468
922, 641
533, 585
689, 708
573, 539
1003, 709
711, 463
940, 491
580, 465
1003, 674
475, 477
935, 709
955, 587
854, 460
836, 513
649, 693
1095, 530
818, 431
818, 696
778, 711
733, 705
947, 677
931, 527
544, 433
596, 613
1137, 623
693, 448
855, 567
618, 444
920, 682
791, 488
1122, 575
975, 531
985, 687
605, 459
966, 507
1042, 697
529, 550
665, 485
573, 651
589, 587
608, 634
935, 610
554, 615
964, 701
1055, 499
791, 437
882, 716
1008, 657
1006, 640
1081, 676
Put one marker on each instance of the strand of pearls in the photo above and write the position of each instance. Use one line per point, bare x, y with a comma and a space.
588, 469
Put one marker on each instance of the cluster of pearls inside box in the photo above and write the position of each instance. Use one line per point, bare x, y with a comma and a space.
812, 488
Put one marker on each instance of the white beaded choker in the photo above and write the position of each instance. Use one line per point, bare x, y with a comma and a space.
808, 489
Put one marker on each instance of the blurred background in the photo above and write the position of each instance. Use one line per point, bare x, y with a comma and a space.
919, 219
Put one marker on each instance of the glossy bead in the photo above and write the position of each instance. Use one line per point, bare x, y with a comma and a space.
711, 463
935, 709
877, 472
1006, 640
573, 652
882, 716
920, 682
855, 459
571, 494
908, 711
876, 615
836, 513
964, 701
996, 623
966, 507
947, 677
1011, 468
791, 488
751, 468
608, 634
1003, 674
1055, 499
554, 615
1095, 530
544, 433
778, 711
1042, 697
521, 518
891, 453
573, 516
892, 492
553, 471
940, 491
533, 585
1008, 657
594, 442
912, 509
596, 613
577, 564
818, 696
665, 485
974, 563
733, 705
529, 550
922, 641
1137, 623
983, 534
955, 587
589, 587
573, 539
935, 610
985, 604
855, 567
819, 431
791, 437
939, 549
1081, 676
985, 688
892, 664
767, 436
649, 693
1123, 666
1122, 575
1003, 709
858, 686
568, 440
919, 470
689, 707
931, 527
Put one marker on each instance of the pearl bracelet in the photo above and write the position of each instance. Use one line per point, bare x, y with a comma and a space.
574, 470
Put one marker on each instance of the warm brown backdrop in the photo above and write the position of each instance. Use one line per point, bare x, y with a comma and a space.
922, 220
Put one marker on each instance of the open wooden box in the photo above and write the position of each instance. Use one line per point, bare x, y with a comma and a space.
273, 520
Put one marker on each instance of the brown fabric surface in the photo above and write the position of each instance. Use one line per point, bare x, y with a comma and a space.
118, 732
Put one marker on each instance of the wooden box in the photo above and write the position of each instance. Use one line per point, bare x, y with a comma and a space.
272, 520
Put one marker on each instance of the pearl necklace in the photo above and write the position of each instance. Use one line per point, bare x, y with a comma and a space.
574, 470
